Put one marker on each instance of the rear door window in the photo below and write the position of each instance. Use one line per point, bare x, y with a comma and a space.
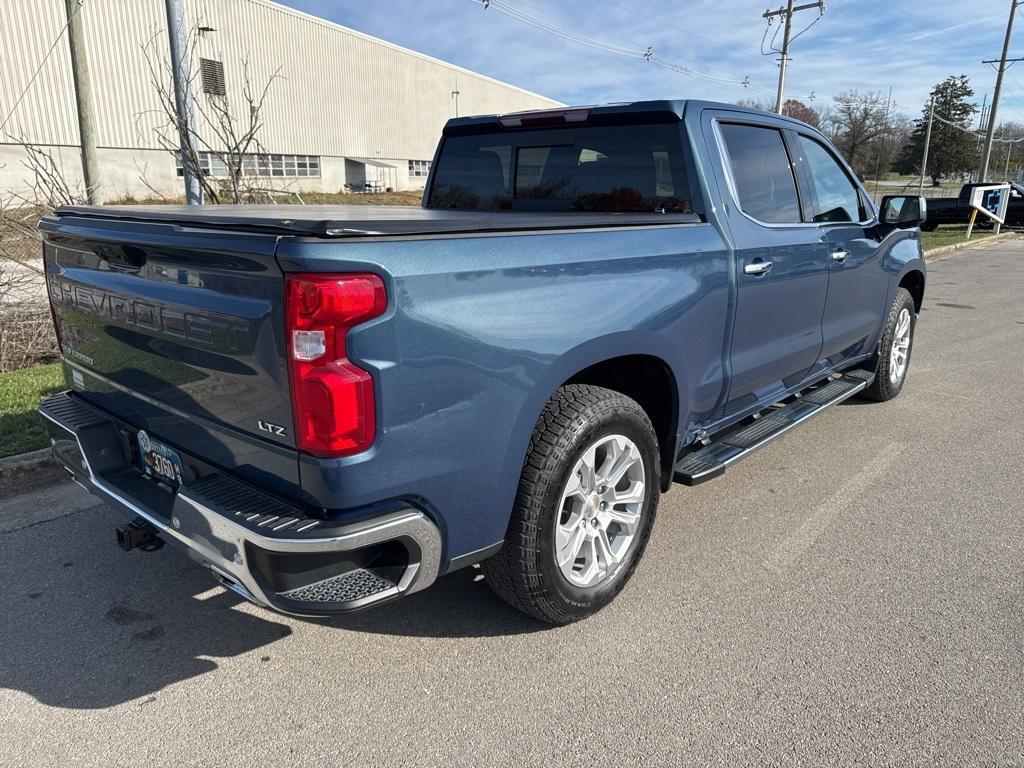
628, 168
835, 196
762, 173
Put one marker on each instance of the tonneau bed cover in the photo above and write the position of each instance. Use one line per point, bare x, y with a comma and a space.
368, 220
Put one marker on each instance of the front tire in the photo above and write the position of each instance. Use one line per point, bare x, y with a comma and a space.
894, 348
586, 503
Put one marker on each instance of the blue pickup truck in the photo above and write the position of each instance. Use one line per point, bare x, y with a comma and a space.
333, 406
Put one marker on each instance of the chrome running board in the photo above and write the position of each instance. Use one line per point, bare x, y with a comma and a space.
770, 424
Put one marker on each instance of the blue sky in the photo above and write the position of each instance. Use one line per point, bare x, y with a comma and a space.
857, 44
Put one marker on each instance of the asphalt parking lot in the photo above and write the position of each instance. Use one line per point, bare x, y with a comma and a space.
853, 594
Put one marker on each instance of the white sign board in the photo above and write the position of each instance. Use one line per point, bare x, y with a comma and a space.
990, 200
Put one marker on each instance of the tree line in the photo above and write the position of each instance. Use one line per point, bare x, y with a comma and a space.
877, 140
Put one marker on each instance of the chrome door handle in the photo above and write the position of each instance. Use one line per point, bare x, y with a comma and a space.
840, 255
757, 268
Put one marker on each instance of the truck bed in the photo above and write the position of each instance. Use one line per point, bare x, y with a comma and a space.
346, 221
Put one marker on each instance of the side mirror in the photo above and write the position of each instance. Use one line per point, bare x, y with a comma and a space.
904, 210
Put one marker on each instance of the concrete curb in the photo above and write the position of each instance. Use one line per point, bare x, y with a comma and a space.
969, 244
29, 472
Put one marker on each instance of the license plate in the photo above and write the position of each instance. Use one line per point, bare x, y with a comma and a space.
158, 460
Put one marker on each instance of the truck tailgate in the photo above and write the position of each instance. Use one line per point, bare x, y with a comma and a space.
178, 331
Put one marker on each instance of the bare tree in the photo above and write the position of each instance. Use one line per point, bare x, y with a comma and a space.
1008, 152
26, 329
143, 170
790, 108
856, 122
226, 130
49, 187
797, 109
46, 184
754, 104
887, 147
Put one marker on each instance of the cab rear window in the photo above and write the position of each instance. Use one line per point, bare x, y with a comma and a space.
625, 169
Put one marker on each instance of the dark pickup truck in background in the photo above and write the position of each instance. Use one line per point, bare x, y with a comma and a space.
957, 210
330, 407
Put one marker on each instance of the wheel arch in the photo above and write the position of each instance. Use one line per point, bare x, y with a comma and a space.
649, 381
913, 279
605, 361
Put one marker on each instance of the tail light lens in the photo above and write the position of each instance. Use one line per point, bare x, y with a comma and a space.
332, 397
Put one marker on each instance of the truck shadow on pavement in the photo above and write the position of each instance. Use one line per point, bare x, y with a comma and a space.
86, 626
458, 605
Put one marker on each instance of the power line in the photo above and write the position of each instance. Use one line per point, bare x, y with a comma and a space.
541, 18
771, 45
953, 124
816, 20
873, 103
787, 14
1016, 107
567, 34
645, 53
42, 63
687, 30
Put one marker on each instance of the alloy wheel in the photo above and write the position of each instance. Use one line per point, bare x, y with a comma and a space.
600, 510
900, 352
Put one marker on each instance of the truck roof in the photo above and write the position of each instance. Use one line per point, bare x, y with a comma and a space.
658, 109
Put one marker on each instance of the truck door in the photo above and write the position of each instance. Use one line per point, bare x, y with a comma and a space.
781, 270
851, 242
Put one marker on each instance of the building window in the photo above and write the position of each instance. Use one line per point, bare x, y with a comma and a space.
419, 167
212, 75
284, 166
209, 165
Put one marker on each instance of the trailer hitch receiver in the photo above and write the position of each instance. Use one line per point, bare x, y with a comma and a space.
138, 534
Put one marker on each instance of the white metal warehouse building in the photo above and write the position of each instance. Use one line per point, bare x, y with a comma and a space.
346, 108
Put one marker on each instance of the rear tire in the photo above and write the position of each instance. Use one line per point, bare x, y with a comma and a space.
576, 535
894, 348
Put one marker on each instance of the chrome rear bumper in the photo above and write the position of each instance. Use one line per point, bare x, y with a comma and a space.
270, 552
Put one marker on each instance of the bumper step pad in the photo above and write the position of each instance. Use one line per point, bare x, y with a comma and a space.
740, 441
358, 584
266, 549
256, 511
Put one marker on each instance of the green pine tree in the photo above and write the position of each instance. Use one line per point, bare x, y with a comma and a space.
954, 148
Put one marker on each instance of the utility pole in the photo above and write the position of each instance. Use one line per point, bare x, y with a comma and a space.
1006, 170
181, 70
83, 100
885, 135
1002, 61
788, 12
927, 144
980, 141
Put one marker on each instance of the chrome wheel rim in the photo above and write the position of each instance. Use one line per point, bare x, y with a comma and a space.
900, 352
600, 511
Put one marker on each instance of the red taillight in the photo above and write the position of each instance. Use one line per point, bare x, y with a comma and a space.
332, 397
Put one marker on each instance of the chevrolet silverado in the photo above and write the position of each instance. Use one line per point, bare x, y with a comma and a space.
333, 406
